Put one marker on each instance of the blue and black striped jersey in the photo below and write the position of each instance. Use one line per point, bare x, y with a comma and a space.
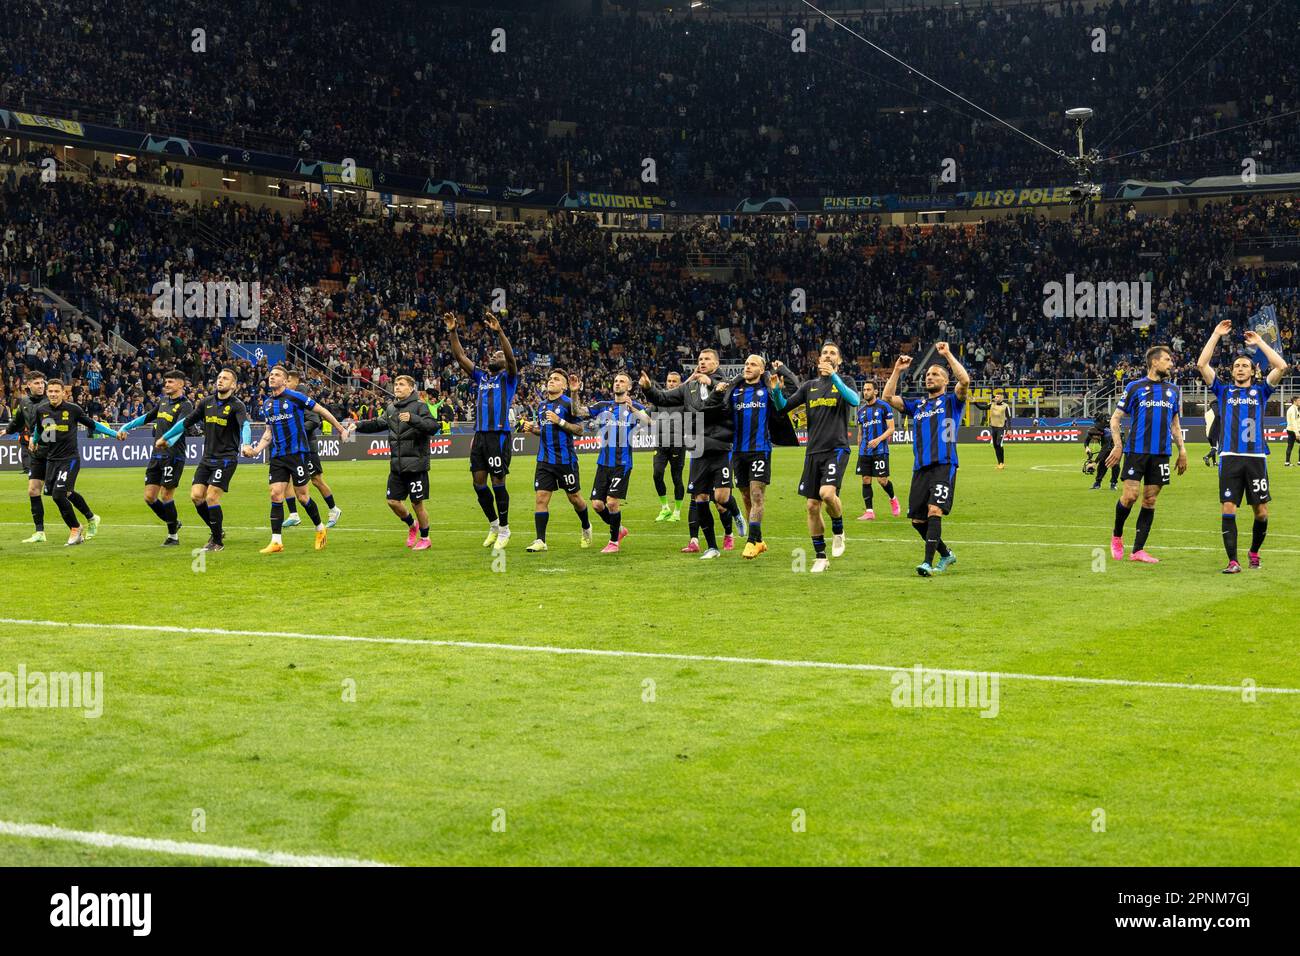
1241, 413
751, 413
495, 395
615, 424
556, 446
873, 420
1152, 405
284, 414
934, 429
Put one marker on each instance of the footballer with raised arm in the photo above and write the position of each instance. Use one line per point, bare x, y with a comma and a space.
935, 419
490, 452
162, 475
226, 431
829, 400
1243, 448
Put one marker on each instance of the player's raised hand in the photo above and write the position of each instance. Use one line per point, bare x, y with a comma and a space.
575, 383
904, 362
1252, 337
644, 380
773, 380
943, 349
826, 368
777, 364
491, 321
1224, 328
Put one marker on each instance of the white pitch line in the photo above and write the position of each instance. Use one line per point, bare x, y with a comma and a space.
664, 533
213, 851
642, 655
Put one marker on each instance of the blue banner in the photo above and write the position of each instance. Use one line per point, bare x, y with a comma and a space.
255, 352
1264, 322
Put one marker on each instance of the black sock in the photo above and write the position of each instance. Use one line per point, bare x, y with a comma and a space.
38, 511
424, 531
329, 501
725, 513
585, 518
837, 524
933, 535
694, 519
292, 504
1121, 515
1145, 517
158, 508
705, 515
79, 503
819, 545
408, 520
615, 522
1257, 532
277, 518
755, 530
889, 489
866, 495
1229, 524
485, 502
66, 513
313, 513
604, 515
539, 519
503, 504
202, 508
169, 515
215, 517
920, 529
733, 509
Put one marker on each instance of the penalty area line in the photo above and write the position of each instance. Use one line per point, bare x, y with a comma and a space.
640, 655
211, 851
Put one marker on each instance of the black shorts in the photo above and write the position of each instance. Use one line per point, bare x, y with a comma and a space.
670, 456
611, 482
35, 467
822, 468
1241, 477
873, 466
931, 485
749, 466
314, 466
215, 472
708, 471
61, 475
289, 468
556, 477
408, 484
490, 452
164, 471
1148, 469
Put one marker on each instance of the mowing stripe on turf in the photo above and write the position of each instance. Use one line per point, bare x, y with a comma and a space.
36, 831
651, 655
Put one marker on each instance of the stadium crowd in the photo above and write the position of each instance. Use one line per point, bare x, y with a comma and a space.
361, 299
723, 106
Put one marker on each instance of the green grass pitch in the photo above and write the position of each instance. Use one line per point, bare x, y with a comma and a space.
456, 754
